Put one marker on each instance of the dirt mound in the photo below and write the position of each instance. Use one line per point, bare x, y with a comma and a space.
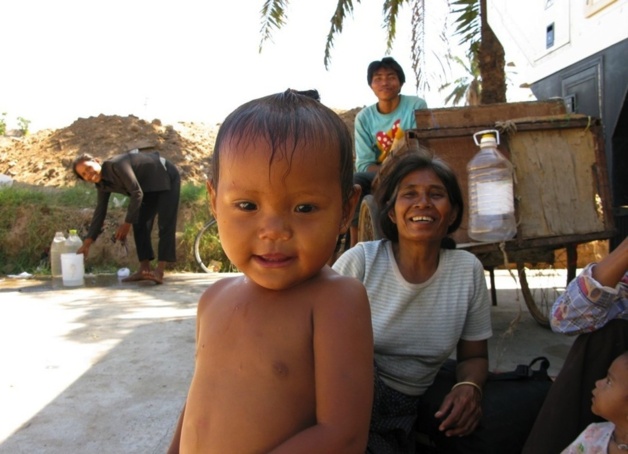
44, 158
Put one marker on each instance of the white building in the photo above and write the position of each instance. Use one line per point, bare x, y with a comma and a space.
576, 50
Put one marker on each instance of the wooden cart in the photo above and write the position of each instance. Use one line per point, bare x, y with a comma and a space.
562, 195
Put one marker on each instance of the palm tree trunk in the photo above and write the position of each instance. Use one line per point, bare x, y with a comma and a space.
492, 63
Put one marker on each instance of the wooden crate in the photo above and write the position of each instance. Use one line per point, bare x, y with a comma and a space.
561, 185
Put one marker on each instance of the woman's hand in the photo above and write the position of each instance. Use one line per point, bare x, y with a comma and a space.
84, 249
123, 231
461, 410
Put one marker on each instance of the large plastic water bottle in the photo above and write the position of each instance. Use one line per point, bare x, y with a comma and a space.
73, 243
491, 196
56, 249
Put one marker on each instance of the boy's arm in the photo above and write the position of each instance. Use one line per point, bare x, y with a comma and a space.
365, 156
176, 438
343, 364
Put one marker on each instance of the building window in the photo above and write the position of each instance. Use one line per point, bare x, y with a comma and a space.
591, 7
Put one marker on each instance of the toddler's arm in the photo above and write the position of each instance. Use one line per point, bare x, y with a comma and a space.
343, 364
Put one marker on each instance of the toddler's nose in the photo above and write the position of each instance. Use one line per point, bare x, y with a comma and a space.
274, 227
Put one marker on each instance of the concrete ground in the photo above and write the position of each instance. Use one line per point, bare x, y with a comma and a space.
105, 368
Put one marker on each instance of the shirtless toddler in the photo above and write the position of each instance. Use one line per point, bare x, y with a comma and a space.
284, 352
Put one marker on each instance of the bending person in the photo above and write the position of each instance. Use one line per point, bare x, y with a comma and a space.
595, 306
153, 186
427, 302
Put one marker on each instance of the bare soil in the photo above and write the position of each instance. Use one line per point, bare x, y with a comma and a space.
44, 158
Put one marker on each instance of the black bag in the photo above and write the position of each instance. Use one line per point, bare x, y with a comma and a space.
525, 372
511, 401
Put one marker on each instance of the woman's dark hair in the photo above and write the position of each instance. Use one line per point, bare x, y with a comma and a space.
82, 158
287, 120
388, 63
386, 191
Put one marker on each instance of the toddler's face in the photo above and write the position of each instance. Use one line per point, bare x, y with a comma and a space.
278, 226
610, 395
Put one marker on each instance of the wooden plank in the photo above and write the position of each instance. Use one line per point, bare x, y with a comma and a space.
486, 115
561, 183
555, 187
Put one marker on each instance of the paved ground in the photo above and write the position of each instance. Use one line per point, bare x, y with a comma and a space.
105, 368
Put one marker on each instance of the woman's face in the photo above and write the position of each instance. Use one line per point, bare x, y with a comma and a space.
89, 171
422, 210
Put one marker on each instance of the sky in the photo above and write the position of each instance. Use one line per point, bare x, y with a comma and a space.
188, 60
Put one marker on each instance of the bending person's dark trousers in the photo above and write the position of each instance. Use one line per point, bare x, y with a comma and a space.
164, 205
566, 411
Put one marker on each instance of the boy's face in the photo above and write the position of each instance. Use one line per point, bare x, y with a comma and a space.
279, 226
385, 84
89, 171
610, 395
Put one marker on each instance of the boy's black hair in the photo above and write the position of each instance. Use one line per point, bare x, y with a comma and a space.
284, 120
386, 192
388, 63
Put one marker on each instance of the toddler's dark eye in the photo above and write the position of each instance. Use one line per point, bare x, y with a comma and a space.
304, 208
247, 206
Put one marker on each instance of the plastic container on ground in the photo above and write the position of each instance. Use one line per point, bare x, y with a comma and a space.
491, 196
72, 264
73, 269
56, 249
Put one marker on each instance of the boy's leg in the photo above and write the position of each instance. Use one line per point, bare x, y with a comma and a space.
167, 211
142, 235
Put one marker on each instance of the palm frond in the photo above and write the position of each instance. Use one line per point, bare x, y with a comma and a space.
273, 18
343, 8
418, 41
391, 12
468, 23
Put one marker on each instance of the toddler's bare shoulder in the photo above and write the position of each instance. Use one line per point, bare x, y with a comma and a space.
217, 289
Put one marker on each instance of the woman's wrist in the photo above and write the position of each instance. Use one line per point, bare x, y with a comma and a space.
468, 383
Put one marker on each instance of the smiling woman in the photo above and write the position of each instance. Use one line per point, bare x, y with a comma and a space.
413, 278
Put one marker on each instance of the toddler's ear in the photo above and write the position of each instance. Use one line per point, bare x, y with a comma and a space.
211, 192
350, 207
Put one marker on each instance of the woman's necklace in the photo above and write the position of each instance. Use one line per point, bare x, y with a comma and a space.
620, 446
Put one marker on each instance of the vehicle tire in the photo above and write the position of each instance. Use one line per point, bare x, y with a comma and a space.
368, 223
541, 286
208, 252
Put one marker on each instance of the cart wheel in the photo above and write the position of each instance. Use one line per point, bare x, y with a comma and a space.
541, 287
368, 224
206, 245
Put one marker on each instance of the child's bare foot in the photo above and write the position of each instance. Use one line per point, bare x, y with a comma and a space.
156, 276
137, 276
